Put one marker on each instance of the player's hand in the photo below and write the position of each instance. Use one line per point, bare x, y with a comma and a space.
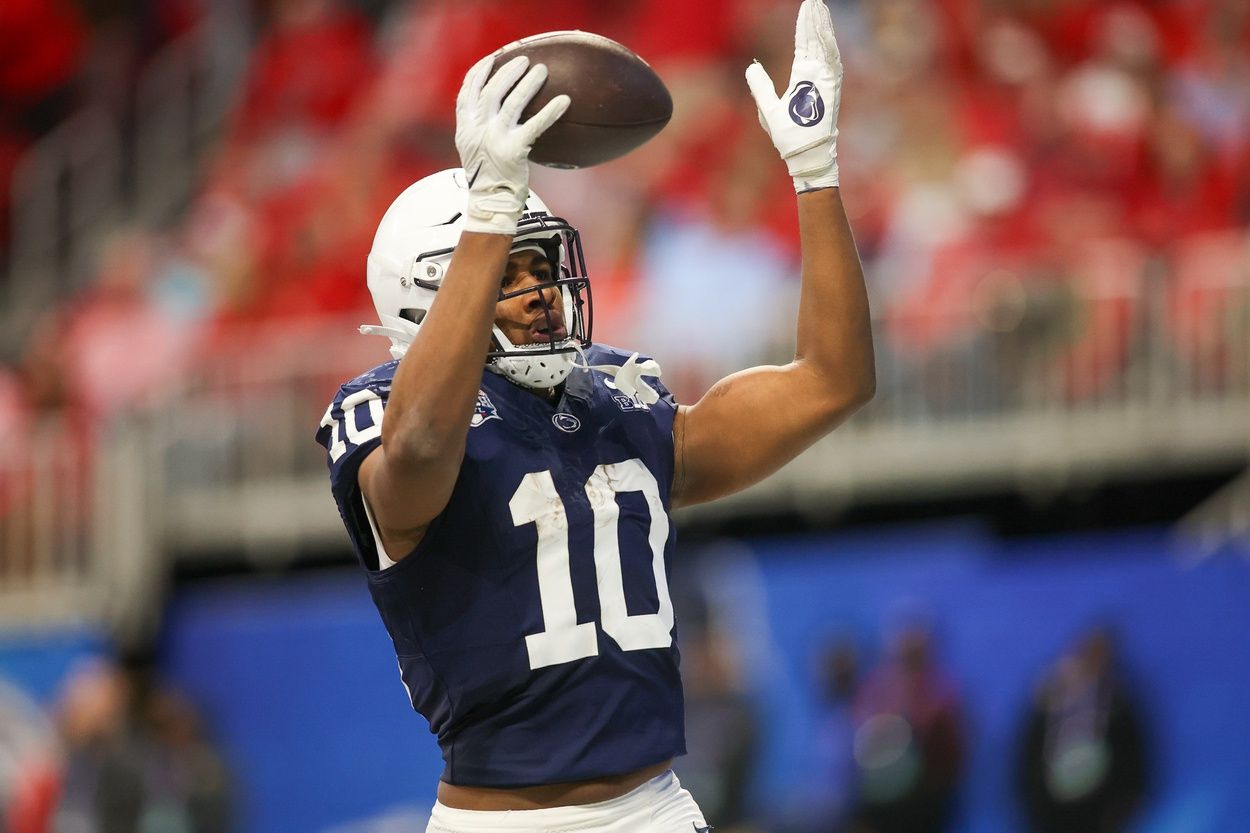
494, 147
803, 123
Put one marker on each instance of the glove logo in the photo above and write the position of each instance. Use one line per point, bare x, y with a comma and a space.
807, 108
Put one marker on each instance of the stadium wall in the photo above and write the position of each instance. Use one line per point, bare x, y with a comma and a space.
298, 680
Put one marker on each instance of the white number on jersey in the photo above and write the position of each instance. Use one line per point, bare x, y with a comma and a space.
357, 436
562, 638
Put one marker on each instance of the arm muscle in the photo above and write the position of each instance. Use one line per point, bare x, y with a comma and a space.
753, 422
408, 479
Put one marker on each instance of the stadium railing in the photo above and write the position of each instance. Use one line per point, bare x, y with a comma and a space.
78, 545
1013, 387
95, 172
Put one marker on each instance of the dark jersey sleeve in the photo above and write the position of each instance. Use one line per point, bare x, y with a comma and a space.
667, 401
350, 430
664, 411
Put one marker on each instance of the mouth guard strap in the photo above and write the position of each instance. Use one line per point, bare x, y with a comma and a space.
628, 378
388, 332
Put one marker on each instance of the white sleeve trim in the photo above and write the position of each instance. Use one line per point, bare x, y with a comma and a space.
384, 561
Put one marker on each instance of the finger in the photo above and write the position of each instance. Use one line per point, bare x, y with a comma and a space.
806, 40
544, 118
474, 79
503, 80
824, 32
761, 86
521, 94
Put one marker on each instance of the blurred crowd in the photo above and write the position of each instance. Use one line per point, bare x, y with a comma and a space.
1026, 171
1011, 166
120, 752
889, 752
1046, 194
57, 55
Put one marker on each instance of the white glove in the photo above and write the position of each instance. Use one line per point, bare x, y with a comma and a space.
494, 148
803, 123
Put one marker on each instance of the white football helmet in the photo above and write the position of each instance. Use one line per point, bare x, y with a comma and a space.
413, 247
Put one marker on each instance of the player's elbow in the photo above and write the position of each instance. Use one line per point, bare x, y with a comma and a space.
862, 384
848, 399
866, 389
861, 390
841, 395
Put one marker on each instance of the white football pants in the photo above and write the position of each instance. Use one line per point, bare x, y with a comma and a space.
658, 806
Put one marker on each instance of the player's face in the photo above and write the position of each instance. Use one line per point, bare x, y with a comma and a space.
530, 317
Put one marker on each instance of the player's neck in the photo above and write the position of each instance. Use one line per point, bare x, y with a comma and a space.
549, 395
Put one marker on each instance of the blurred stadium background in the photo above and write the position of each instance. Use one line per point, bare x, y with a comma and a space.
1012, 594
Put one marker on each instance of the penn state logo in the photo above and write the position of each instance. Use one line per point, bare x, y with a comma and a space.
806, 106
483, 410
566, 422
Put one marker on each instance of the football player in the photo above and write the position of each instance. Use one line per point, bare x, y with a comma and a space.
507, 483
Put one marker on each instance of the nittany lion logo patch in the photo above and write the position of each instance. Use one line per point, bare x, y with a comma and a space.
807, 108
484, 410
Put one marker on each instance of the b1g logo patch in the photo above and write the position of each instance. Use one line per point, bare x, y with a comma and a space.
484, 410
628, 403
807, 108
625, 403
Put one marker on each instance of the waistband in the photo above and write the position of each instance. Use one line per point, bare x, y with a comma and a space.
555, 818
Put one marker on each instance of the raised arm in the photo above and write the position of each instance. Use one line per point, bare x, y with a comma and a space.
408, 479
753, 422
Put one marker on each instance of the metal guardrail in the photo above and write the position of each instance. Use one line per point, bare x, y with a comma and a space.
1016, 387
1103, 377
76, 538
91, 175
44, 561
65, 190
77, 544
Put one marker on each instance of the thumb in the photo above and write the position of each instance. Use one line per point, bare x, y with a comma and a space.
762, 89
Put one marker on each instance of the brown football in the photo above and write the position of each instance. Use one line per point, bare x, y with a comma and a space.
618, 102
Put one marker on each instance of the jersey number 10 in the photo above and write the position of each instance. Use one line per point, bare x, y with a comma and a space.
562, 639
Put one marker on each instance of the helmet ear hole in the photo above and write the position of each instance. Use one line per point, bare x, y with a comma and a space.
551, 248
416, 316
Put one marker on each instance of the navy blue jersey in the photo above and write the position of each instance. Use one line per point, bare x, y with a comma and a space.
533, 623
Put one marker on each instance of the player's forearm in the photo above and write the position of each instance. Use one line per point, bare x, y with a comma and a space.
436, 383
834, 330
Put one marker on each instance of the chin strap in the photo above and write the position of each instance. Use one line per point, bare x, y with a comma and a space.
399, 330
628, 378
